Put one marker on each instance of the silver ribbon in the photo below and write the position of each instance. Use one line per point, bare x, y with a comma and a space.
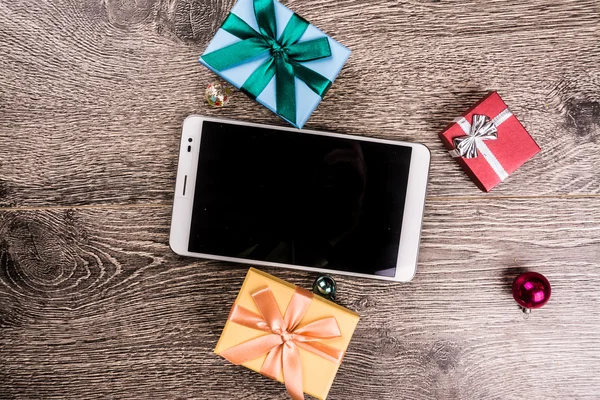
483, 128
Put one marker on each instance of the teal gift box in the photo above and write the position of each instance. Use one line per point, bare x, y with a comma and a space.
275, 57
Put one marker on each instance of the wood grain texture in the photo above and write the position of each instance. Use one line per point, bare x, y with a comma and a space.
93, 93
93, 304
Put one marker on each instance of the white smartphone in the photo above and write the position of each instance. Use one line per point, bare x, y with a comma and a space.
302, 199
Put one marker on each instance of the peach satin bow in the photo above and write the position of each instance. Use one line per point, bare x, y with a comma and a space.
284, 338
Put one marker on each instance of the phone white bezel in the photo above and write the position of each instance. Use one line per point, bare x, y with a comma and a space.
186, 181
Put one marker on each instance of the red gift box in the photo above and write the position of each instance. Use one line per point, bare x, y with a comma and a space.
489, 142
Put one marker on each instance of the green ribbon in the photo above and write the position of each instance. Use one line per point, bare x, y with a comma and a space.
286, 54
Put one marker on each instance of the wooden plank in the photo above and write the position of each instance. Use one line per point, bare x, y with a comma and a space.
92, 94
94, 304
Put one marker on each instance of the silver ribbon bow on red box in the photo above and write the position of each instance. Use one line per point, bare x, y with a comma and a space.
473, 143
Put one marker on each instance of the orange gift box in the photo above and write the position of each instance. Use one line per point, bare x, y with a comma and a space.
278, 329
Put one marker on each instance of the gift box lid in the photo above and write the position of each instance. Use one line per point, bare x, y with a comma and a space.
512, 148
306, 99
318, 373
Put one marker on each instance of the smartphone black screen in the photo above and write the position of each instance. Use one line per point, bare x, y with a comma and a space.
297, 198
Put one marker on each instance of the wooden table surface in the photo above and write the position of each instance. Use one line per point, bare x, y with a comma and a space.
93, 304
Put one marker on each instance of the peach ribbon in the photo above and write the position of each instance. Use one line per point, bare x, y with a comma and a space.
284, 338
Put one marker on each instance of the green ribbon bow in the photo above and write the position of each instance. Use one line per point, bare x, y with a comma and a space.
284, 62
